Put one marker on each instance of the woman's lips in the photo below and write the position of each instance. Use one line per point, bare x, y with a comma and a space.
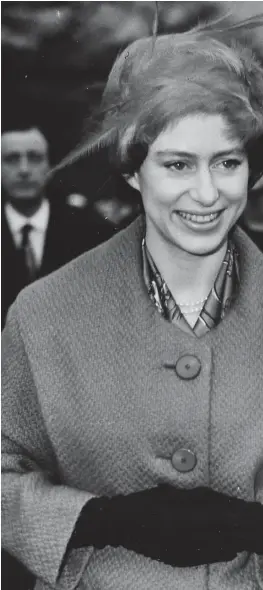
199, 221
199, 218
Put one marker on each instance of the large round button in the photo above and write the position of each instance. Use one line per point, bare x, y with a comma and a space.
188, 367
184, 460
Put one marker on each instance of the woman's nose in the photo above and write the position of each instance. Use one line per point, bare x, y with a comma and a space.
205, 190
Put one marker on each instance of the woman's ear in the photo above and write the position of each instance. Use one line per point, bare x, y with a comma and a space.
133, 180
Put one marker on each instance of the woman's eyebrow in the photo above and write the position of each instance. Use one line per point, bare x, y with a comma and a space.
173, 153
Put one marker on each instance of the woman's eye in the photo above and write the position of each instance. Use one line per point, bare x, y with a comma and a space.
179, 166
230, 164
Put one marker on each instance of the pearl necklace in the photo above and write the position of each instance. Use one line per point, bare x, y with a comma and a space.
188, 307
191, 303
194, 310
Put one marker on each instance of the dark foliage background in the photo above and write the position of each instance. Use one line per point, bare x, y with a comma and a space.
56, 57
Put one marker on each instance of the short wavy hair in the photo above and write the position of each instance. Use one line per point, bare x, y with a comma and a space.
156, 81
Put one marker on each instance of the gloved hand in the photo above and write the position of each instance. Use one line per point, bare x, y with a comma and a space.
178, 527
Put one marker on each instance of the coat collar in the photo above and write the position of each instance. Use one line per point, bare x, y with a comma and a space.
129, 289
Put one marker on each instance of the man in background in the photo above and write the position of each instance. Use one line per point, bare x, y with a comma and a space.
38, 234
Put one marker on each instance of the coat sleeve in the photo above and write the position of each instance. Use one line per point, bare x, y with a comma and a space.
38, 513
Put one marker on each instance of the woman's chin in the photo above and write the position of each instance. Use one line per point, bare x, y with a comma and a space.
200, 247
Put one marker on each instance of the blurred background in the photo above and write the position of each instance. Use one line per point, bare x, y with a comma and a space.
56, 57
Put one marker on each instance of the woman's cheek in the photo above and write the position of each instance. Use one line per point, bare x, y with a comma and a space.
234, 190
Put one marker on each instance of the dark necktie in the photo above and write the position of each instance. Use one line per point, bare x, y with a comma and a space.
28, 253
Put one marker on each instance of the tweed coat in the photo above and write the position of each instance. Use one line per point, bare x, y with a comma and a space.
92, 405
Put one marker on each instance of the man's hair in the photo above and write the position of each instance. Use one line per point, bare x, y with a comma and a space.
156, 81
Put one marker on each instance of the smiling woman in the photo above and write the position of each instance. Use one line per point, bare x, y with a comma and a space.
140, 363
192, 196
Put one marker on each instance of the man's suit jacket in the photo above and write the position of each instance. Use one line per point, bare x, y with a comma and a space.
70, 232
88, 357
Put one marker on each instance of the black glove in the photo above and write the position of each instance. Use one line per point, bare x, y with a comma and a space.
178, 527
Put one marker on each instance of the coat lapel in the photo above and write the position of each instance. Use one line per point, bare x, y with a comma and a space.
126, 266
128, 297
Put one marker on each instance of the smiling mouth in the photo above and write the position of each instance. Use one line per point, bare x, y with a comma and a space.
198, 217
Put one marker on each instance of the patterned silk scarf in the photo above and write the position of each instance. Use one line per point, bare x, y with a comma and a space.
217, 303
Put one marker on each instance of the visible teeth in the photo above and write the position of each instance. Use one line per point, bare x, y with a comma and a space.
198, 218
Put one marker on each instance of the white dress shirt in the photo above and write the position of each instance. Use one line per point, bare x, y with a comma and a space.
39, 222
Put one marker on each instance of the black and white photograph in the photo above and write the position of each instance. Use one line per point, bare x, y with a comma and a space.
132, 295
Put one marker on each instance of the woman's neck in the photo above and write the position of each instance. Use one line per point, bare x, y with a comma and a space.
188, 276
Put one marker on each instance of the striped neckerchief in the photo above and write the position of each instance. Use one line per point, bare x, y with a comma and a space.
217, 303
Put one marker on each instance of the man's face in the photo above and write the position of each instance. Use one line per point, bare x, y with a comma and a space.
25, 164
193, 184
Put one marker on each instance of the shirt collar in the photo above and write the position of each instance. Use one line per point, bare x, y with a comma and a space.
39, 220
217, 303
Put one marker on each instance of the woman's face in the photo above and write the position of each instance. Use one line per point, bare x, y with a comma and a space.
193, 184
